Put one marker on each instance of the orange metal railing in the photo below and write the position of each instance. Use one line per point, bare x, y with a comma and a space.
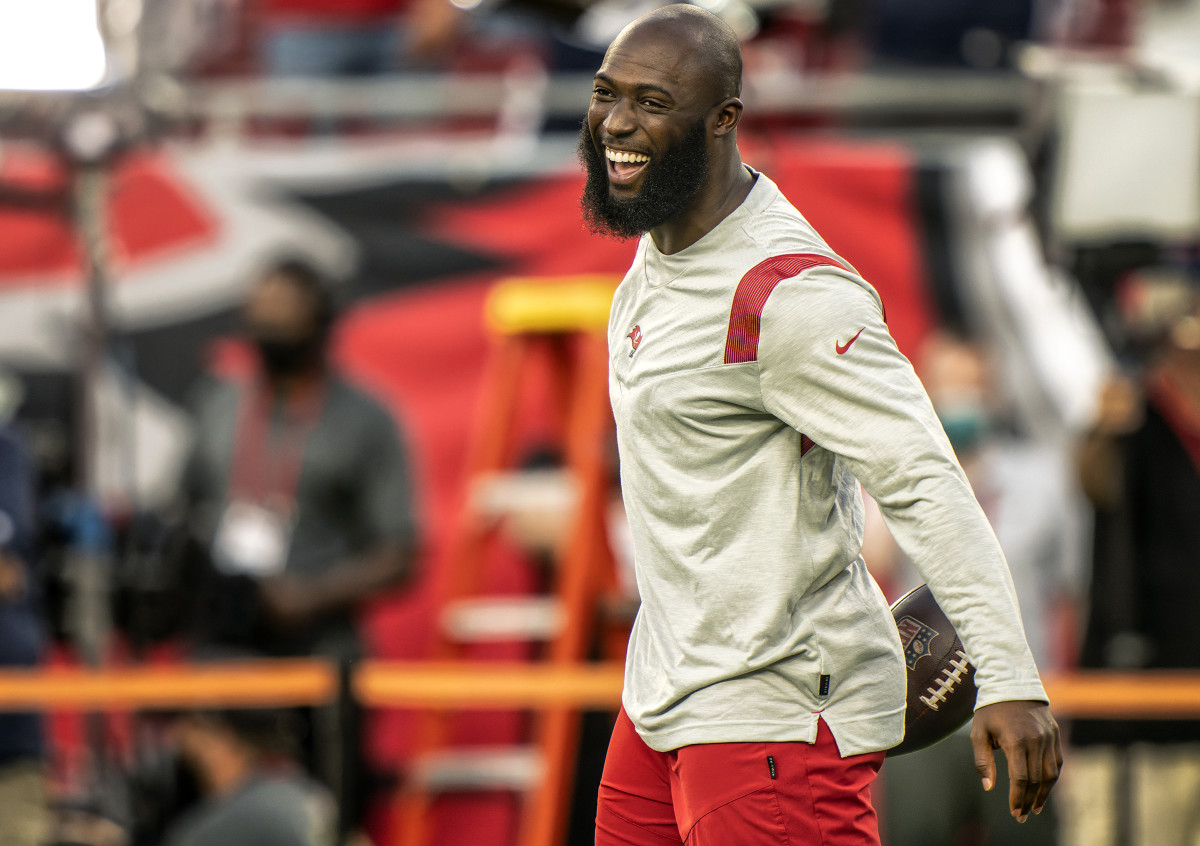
385, 684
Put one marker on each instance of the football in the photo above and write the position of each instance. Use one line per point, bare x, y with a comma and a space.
941, 681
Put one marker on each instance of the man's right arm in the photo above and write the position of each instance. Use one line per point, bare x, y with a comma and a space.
861, 400
865, 404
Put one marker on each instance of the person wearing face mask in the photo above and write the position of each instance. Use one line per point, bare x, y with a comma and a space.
1026, 487
299, 497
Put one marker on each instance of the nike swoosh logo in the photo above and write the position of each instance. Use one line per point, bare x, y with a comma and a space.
841, 348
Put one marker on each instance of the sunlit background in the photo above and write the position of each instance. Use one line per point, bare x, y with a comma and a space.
51, 46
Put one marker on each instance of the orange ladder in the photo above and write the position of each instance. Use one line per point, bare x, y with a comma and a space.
563, 319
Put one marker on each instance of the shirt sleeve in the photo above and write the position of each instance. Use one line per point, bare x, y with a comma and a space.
387, 496
830, 369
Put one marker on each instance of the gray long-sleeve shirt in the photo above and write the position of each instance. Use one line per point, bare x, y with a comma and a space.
755, 386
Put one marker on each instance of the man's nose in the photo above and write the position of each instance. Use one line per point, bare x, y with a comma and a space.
620, 118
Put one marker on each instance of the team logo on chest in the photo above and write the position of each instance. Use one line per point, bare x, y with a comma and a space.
916, 638
636, 337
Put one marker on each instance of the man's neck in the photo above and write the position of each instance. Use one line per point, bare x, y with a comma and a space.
727, 189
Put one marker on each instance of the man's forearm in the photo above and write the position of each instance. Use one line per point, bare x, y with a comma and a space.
344, 586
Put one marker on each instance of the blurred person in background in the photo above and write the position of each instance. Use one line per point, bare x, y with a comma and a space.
1028, 492
936, 33
300, 504
330, 38
24, 819
254, 791
1138, 782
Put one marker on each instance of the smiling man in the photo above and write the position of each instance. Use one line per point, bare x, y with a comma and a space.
755, 387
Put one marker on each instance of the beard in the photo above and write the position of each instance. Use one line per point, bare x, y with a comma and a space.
670, 183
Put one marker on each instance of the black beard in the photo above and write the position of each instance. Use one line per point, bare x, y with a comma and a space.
669, 186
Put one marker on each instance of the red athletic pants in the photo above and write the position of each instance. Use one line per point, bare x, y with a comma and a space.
735, 794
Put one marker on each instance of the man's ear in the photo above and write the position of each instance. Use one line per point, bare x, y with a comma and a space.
729, 113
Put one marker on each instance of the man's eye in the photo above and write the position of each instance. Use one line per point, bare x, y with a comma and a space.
653, 104
601, 93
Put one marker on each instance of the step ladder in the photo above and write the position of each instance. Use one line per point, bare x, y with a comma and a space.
563, 322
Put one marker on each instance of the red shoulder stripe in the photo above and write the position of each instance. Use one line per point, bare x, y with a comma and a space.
745, 316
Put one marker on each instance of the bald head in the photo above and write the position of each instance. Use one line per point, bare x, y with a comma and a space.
703, 39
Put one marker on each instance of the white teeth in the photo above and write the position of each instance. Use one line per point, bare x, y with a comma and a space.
622, 156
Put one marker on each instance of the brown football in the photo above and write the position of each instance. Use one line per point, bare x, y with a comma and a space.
941, 681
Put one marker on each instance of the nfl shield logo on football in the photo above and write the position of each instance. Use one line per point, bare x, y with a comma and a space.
916, 638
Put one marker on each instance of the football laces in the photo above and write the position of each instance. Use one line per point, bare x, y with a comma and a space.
950, 677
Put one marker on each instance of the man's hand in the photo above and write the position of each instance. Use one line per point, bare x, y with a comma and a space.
12, 578
288, 601
1028, 736
291, 601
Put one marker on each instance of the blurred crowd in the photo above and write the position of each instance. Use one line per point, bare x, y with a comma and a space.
297, 505
316, 38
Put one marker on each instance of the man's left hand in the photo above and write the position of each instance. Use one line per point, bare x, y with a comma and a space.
1028, 736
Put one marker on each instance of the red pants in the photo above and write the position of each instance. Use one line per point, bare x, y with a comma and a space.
735, 794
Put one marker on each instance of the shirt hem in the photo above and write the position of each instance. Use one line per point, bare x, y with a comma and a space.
758, 731
886, 731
